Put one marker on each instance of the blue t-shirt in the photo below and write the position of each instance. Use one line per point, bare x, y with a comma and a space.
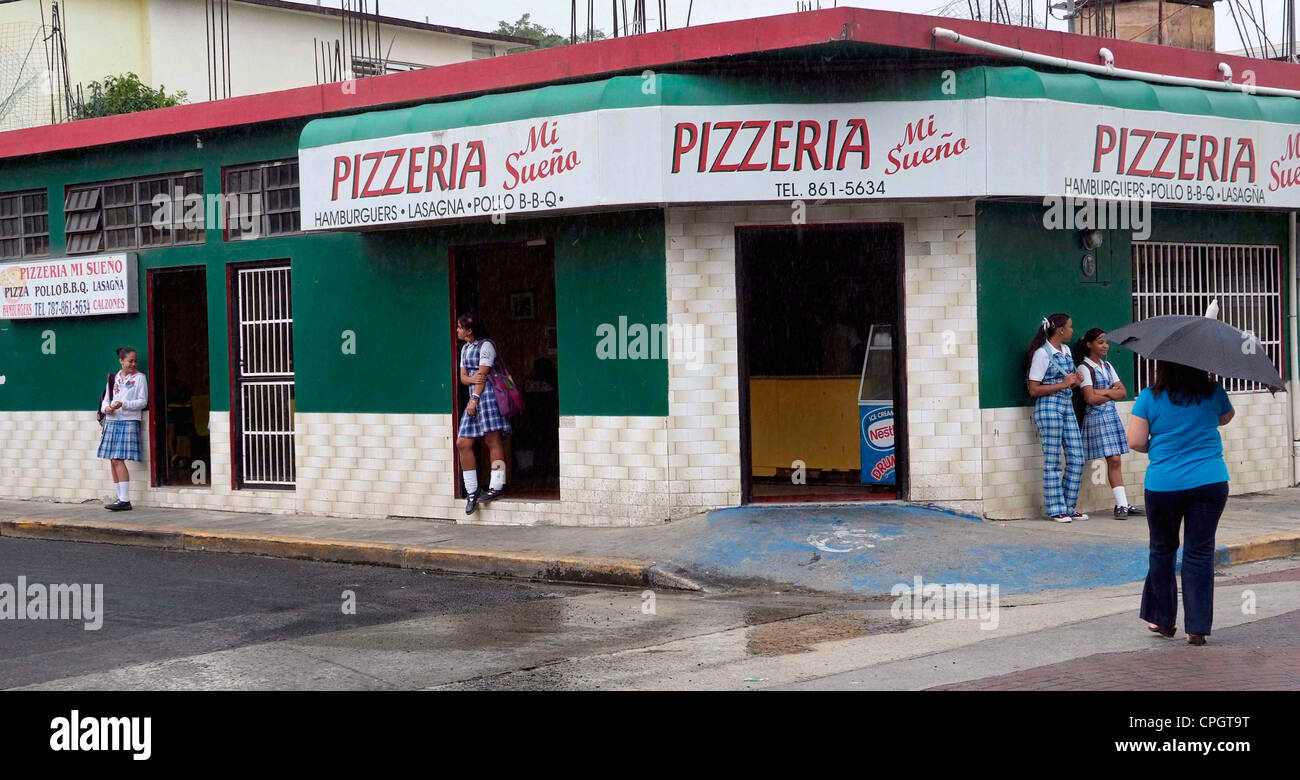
1185, 450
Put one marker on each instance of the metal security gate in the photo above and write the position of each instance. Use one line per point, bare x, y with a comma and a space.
263, 388
1245, 279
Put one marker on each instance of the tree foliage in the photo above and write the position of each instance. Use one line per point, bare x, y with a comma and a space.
124, 94
545, 37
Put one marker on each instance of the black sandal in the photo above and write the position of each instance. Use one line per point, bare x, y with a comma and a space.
1168, 633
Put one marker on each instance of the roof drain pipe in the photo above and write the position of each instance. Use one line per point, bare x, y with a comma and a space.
1294, 389
1109, 69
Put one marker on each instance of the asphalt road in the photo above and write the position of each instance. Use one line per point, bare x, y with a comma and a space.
161, 604
210, 621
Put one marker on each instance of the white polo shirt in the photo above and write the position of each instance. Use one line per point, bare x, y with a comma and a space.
1038, 365
1106, 370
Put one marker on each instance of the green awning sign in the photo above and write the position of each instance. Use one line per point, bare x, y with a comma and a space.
668, 139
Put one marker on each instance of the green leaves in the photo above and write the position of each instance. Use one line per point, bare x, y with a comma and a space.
124, 94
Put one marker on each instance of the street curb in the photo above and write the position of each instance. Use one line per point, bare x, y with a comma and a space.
495, 563
1259, 549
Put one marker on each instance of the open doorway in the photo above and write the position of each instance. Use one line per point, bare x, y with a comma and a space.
182, 396
820, 331
511, 289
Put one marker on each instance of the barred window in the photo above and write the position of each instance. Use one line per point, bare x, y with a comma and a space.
262, 200
119, 215
24, 225
1245, 279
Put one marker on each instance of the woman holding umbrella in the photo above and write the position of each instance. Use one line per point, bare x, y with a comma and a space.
1176, 422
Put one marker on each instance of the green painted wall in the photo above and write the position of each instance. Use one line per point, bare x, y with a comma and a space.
390, 288
1026, 272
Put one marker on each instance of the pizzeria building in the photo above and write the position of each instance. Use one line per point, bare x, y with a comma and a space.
794, 258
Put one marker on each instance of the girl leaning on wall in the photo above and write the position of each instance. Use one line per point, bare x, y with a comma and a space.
1051, 380
1103, 433
126, 396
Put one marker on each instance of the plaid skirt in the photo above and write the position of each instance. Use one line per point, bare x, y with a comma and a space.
121, 440
1103, 433
487, 418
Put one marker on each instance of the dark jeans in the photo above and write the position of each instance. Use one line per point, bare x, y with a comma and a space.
1200, 507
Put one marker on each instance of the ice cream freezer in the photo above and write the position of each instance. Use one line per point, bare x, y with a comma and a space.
876, 408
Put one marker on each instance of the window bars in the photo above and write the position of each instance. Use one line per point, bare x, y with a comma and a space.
1246, 280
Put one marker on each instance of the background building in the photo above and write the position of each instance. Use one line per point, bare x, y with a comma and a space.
252, 46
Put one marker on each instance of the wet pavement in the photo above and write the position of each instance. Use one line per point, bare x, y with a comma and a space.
214, 621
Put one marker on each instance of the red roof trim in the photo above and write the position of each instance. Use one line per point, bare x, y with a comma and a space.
599, 58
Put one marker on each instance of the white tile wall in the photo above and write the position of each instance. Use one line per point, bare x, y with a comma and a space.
613, 469
704, 420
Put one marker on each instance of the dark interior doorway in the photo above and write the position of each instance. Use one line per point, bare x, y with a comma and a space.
182, 395
811, 298
511, 288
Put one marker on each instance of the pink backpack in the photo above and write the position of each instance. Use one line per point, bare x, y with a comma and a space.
510, 402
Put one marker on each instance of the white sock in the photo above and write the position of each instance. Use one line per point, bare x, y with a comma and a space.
1121, 498
124, 491
498, 479
471, 480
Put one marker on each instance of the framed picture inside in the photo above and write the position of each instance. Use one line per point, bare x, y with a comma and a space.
523, 306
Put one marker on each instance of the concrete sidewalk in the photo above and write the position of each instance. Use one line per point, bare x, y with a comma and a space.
858, 550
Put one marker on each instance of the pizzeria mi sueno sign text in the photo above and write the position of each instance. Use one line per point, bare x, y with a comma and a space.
637, 156
69, 287
787, 152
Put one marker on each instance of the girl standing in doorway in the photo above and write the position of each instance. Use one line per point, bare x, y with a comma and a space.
1103, 433
1052, 379
126, 395
481, 419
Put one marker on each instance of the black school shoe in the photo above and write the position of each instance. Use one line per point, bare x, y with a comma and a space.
471, 501
493, 494
118, 506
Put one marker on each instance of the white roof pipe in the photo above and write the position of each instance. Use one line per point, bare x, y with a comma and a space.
1109, 68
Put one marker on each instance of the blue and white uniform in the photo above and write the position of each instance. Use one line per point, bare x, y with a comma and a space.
1103, 433
121, 439
1057, 427
488, 417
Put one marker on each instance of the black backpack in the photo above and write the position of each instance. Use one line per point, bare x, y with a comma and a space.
99, 413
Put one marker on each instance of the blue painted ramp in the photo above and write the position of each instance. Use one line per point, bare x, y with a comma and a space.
867, 549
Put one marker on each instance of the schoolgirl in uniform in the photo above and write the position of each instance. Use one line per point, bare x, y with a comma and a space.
481, 419
123, 404
1103, 433
1052, 378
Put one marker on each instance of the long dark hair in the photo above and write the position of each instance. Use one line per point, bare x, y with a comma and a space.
1185, 385
1045, 332
470, 321
1083, 347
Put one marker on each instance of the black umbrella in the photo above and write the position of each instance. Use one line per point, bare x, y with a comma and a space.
1200, 342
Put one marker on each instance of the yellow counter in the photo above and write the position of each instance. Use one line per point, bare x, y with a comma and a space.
812, 419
